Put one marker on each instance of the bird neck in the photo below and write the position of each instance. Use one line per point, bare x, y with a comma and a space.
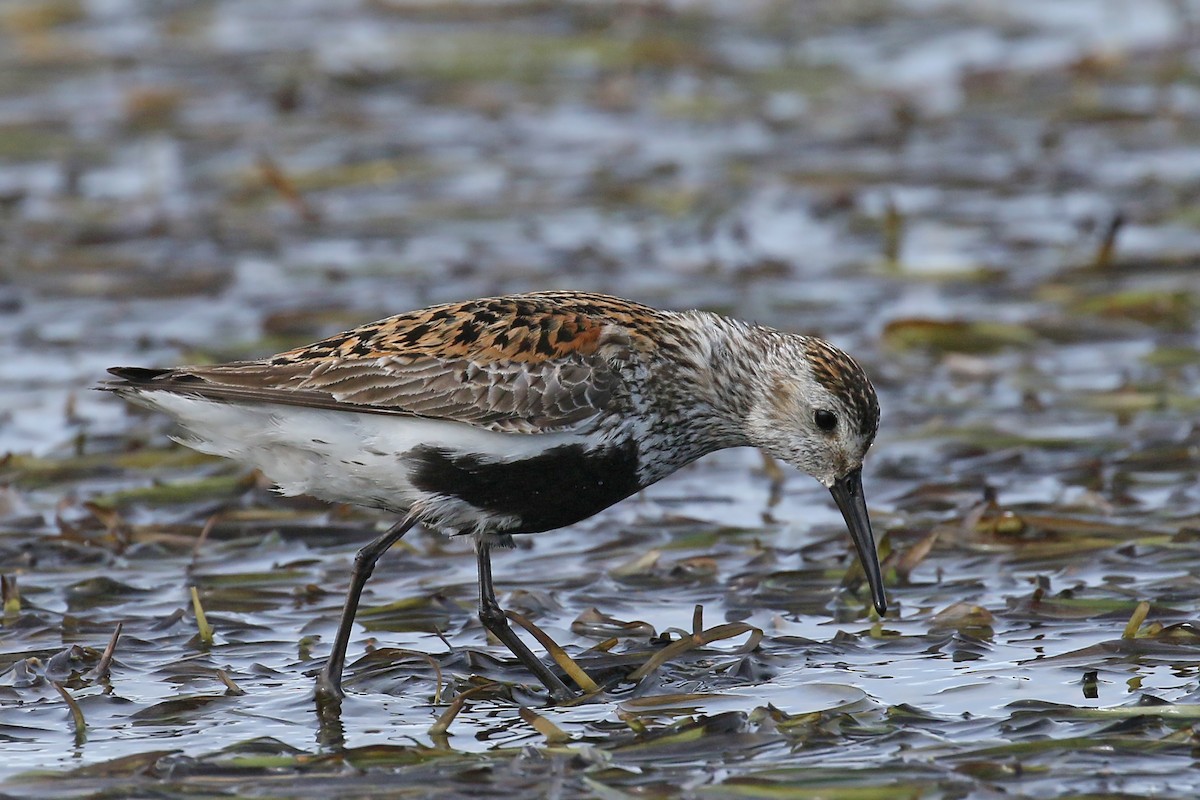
719, 375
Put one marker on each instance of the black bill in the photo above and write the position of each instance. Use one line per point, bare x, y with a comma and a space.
848, 494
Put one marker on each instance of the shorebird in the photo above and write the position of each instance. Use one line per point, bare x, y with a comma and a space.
522, 414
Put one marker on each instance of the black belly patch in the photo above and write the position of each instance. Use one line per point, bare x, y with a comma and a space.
558, 487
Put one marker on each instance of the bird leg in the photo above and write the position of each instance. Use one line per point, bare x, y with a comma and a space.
329, 682
494, 619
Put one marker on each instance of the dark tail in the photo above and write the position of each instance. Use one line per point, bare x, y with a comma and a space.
138, 374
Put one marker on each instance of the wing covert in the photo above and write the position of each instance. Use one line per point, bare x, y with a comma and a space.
511, 397
524, 363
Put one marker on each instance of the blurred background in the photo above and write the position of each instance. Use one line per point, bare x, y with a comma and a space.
992, 205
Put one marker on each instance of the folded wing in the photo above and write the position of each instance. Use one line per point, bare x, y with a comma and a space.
526, 369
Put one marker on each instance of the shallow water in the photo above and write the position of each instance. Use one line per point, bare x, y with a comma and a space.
928, 184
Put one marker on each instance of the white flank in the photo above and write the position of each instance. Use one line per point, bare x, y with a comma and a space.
342, 456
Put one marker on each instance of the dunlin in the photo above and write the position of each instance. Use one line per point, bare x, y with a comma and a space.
522, 414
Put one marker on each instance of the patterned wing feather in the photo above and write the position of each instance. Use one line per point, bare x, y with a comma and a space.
528, 363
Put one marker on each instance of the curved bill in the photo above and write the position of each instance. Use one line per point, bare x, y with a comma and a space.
847, 492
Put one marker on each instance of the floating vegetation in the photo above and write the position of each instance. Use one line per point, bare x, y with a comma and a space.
958, 336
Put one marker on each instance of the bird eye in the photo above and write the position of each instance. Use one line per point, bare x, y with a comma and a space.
826, 420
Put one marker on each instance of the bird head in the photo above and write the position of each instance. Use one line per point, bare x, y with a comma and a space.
818, 411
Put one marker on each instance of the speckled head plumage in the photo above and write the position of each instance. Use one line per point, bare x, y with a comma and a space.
800, 399
845, 379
